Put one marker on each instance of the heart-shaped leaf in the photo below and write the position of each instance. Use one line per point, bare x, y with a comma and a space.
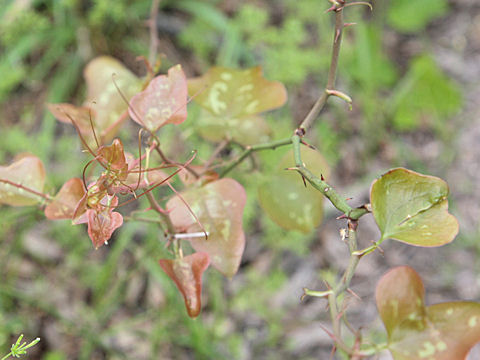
413, 208
187, 274
28, 172
113, 156
285, 198
80, 114
102, 222
444, 331
104, 104
82, 117
219, 207
164, 101
102, 94
232, 98
66, 201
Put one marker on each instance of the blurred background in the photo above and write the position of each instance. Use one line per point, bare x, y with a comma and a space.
413, 71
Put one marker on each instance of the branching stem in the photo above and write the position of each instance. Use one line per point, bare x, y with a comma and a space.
252, 148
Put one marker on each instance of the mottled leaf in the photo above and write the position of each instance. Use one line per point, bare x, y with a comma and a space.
236, 93
187, 274
232, 99
28, 171
164, 101
413, 208
444, 331
66, 201
104, 103
100, 74
285, 198
219, 207
248, 130
399, 296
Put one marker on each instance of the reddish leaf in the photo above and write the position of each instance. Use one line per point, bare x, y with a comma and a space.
399, 295
66, 201
28, 171
219, 207
164, 101
102, 223
104, 104
187, 274
417, 332
113, 156
147, 177
80, 114
103, 96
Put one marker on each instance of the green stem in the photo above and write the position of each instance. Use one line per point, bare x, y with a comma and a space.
343, 285
252, 148
354, 259
327, 190
332, 72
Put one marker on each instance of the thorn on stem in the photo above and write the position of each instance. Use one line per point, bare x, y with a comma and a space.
308, 145
350, 291
349, 24
331, 8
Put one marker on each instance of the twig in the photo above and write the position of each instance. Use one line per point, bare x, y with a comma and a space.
327, 190
152, 24
320, 103
215, 154
249, 149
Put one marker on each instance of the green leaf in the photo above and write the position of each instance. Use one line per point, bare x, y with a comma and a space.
231, 97
409, 16
248, 130
425, 96
29, 172
219, 207
285, 198
412, 208
444, 331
